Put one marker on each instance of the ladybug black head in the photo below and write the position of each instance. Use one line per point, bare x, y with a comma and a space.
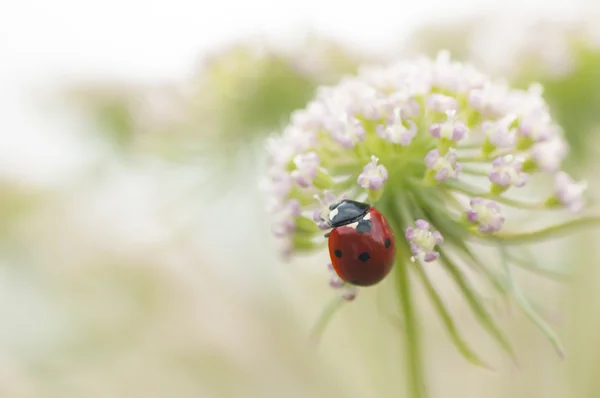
346, 212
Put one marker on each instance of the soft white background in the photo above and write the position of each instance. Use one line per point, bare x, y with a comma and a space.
42, 41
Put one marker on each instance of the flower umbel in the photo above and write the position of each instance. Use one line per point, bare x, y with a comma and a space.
453, 143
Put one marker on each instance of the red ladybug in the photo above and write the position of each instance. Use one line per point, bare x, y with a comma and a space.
361, 243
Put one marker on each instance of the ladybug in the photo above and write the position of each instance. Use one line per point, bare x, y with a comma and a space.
361, 243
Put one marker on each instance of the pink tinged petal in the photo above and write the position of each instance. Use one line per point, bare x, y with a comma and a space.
569, 192
435, 130
349, 293
549, 155
431, 158
507, 172
317, 218
486, 214
422, 241
307, 168
285, 219
422, 224
439, 239
373, 175
376, 109
472, 215
460, 131
450, 129
398, 131
431, 256
347, 131
537, 125
415, 248
444, 166
299, 139
441, 103
500, 133
442, 175
500, 179
335, 282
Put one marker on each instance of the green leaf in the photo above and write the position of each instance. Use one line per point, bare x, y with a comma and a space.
455, 336
527, 308
481, 313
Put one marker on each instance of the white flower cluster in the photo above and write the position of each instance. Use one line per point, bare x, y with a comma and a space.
421, 120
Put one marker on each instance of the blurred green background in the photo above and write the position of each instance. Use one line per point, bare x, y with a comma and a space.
149, 270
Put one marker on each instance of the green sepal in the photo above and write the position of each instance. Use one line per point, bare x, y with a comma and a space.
529, 166
306, 226
487, 148
524, 143
323, 181
303, 244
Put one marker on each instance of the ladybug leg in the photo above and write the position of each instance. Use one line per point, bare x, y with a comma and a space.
327, 234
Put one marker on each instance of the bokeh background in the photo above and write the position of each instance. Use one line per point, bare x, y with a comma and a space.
135, 252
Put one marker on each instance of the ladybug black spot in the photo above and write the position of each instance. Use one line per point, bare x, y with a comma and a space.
387, 242
364, 226
364, 256
338, 253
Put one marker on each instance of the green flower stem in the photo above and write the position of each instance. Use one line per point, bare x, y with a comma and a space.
475, 172
553, 231
472, 191
483, 159
414, 364
481, 313
415, 371
527, 308
438, 303
442, 311
453, 232
470, 145
325, 318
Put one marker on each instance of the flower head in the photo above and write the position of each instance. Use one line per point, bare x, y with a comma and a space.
568, 192
486, 214
453, 142
307, 168
396, 130
423, 241
507, 172
501, 133
373, 175
450, 129
444, 166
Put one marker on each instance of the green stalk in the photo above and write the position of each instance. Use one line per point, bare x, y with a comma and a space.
414, 365
481, 313
528, 309
543, 234
442, 311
